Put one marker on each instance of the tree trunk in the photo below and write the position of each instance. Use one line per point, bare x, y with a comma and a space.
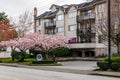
12, 54
22, 56
22, 59
118, 49
46, 56
54, 58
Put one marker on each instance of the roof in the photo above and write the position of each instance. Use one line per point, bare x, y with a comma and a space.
46, 14
65, 10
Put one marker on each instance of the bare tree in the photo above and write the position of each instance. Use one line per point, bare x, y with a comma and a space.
24, 23
115, 26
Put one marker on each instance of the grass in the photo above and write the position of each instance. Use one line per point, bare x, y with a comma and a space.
28, 62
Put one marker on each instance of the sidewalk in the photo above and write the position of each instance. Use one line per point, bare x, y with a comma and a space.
67, 70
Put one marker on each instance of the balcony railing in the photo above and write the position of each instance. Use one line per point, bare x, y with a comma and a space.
84, 31
81, 18
50, 24
74, 41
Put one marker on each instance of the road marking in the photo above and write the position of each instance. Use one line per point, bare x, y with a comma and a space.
9, 77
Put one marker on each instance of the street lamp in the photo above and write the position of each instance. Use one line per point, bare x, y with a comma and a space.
109, 37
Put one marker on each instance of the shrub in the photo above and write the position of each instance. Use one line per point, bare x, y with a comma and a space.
60, 51
115, 66
35, 52
18, 55
115, 63
102, 65
113, 59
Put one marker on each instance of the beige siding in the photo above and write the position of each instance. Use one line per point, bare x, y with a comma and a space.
60, 23
71, 21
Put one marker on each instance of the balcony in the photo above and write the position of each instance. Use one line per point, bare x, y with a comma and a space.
50, 24
83, 18
89, 32
74, 41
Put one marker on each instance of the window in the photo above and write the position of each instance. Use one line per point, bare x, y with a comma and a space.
100, 38
59, 29
53, 9
101, 23
72, 27
59, 17
101, 8
88, 13
72, 15
38, 22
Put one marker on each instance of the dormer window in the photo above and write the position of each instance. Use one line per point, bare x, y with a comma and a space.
89, 0
53, 9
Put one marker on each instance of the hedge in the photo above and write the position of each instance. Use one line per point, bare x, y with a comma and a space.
115, 64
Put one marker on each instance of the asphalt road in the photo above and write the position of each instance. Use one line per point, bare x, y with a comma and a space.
14, 73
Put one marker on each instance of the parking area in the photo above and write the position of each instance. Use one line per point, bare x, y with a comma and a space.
79, 65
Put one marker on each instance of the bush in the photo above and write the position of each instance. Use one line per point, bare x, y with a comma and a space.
113, 59
18, 55
35, 52
115, 66
60, 51
43, 62
102, 65
115, 63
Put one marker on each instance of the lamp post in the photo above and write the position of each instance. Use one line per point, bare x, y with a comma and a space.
109, 37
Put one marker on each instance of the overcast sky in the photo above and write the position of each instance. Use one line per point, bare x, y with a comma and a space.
13, 8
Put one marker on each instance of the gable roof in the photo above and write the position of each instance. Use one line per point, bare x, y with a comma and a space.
65, 10
47, 14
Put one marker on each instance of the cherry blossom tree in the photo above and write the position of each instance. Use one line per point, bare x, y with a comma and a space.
44, 43
47, 43
23, 44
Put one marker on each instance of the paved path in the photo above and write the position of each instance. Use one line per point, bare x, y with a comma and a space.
12, 73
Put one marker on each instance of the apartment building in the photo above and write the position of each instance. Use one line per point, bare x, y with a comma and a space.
79, 23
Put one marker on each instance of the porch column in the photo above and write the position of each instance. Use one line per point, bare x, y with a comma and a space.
83, 53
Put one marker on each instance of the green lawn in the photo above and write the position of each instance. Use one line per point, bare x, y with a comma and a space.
28, 61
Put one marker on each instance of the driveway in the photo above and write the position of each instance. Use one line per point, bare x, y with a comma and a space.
79, 65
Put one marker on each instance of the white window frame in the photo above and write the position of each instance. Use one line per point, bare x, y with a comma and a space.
59, 17
72, 14
72, 27
60, 29
101, 8
37, 22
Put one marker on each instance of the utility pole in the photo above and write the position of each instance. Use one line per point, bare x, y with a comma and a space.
109, 37
35, 15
